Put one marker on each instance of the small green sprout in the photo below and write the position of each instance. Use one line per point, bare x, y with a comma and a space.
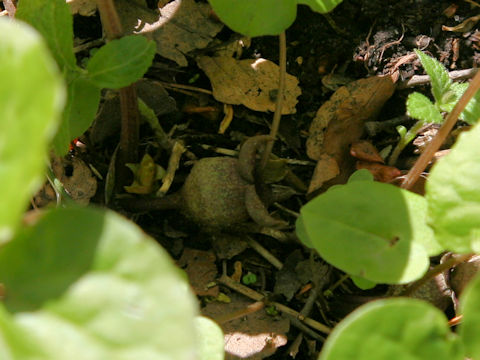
445, 93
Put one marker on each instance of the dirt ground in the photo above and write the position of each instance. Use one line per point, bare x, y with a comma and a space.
359, 39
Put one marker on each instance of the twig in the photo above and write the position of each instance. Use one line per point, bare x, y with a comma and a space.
252, 294
254, 307
417, 80
10, 7
279, 103
435, 271
173, 162
422, 162
267, 255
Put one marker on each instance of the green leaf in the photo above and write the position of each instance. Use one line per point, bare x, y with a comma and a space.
469, 329
211, 339
15, 343
453, 195
471, 113
372, 230
421, 108
400, 329
121, 62
105, 290
321, 6
363, 283
54, 21
31, 98
438, 75
82, 104
361, 175
256, 17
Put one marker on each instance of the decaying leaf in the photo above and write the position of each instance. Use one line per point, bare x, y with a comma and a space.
326, 169
463, 27
76, 177
340, 121
380, 172
178, 28
251, 82
145, 174
201, 270
366, 151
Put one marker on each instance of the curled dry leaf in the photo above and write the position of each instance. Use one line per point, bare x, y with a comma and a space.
340, 121
178, 28
251, 82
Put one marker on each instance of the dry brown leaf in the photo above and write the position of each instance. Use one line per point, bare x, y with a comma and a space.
251, 82
463, 27
201, 270
180, 26
326, 169
340, 121
364, 150
380, 172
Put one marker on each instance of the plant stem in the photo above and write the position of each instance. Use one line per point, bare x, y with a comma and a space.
422, 162
404, 141
130, 117
278, 105
110, 20
435, 271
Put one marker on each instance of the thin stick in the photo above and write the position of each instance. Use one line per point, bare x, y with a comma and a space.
435, 271
267, 255
110, 20
279, 103
252, 294
250, 309
422, 162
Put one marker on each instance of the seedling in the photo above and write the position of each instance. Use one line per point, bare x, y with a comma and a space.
445, 93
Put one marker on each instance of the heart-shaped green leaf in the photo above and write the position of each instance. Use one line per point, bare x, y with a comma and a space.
400, 329
372, 230
121, 62
256, 17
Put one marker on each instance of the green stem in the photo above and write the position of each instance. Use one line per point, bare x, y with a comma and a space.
404, 141
435, 271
